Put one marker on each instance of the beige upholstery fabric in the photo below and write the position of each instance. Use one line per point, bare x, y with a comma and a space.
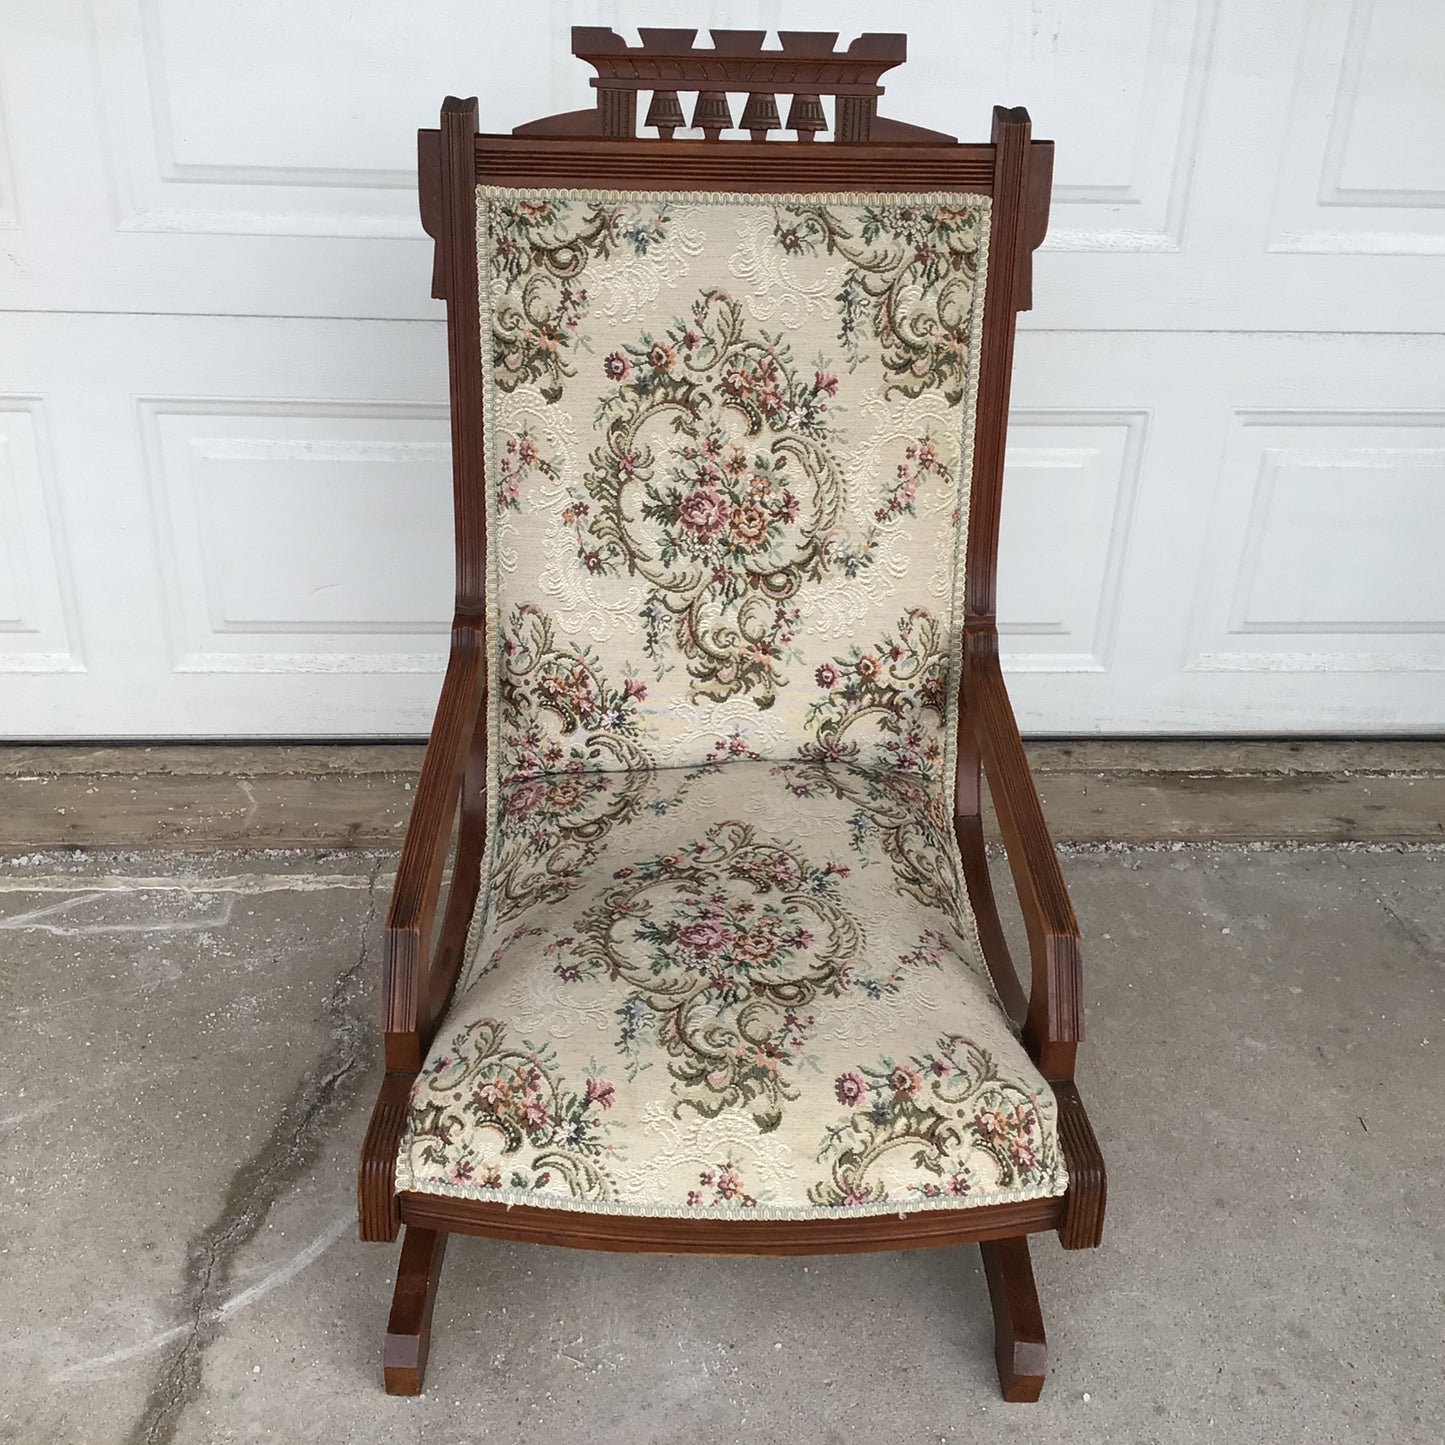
725, 455
723, 959
743, 986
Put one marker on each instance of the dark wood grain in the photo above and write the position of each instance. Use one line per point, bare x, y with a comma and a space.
451, 945
408, 1330
1012, 155
377, 1211
680, 1234
1018, 1323
1054, 1026
1036, 218
741, 166
458, 244
968, 831
412, 998
1082, 1226
804, 65
406, 940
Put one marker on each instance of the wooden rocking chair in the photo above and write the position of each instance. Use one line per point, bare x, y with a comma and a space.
720, 970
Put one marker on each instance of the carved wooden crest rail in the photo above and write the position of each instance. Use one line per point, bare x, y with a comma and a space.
805, 67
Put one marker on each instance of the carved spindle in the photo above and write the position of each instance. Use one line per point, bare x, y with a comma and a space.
711, 114
760, 115
805, 116
855, 117
808, 68
665, 113
618, 109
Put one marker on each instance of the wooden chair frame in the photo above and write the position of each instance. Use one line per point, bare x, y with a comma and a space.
422, 956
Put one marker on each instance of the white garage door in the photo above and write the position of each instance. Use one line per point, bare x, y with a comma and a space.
224, 482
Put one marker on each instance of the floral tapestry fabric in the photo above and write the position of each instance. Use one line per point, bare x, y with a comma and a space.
745, 986
723, 960
729, 442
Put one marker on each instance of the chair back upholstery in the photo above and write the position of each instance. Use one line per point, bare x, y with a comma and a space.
729, 441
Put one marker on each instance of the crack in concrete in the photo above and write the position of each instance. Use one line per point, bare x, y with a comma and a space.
255, 1186
1412, 930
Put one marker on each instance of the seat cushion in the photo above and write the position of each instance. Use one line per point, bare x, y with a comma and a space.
746, 988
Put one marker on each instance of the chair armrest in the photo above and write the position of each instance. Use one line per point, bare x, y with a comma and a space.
1054, 1024
406, 944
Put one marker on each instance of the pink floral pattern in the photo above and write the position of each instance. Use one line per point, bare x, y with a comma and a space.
493, 1115
720, 1185
909, 276
896, 686
728, 476
963, 1123
723, 948
737, 971
715, 481
541, 247
520, 459
561, 716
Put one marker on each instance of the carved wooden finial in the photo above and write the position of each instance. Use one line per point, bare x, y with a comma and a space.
665, 113
760, 115
806, 116
711, 114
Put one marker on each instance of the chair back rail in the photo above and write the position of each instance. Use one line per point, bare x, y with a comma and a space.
805, 68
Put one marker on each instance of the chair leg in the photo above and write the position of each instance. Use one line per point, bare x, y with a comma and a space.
1017, 1323
408, 1330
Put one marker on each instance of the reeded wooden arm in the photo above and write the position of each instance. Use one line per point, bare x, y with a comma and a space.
1054, 1023
408, 990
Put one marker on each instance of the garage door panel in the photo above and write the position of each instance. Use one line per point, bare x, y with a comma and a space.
1122, 183
201, 616
37, 614
1355, 180
1070, 483
331, 153
302, 538
1324, 554
9, 218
